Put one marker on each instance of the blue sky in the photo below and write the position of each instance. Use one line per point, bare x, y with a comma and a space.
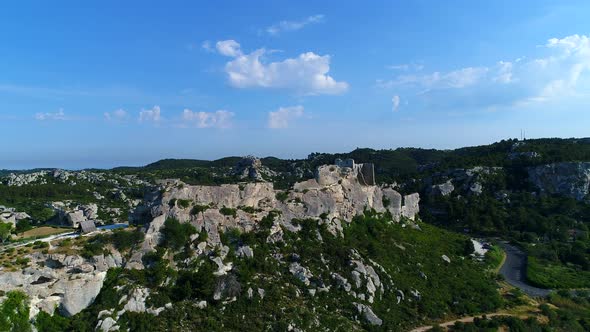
105, 84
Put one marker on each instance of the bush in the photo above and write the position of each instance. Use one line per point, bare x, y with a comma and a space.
248, 209
14, 313
198, 209
172, 203
228, 211
123, 239
23, 225
176, 235
44, 322
184, 203
282, 196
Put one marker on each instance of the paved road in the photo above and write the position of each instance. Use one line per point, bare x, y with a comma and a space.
514, 271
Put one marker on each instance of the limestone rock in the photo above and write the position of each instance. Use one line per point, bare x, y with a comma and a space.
443, 189
80, 293
245, 251
569, 179
136, 302
368, 314
300, 273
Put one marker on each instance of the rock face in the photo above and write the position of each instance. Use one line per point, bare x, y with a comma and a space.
443, 189
461, 181
368, 314
251, 168
70, 283
9, 215
335, 195
569, 179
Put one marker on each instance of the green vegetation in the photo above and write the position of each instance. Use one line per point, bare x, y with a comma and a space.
176, 235
124, 239
228, 211
553, 230
458, 288
198, 209
282, 196
121, 239
554, 276
5, 229
494, 257
184, 203
563, 313
249, 209
14, 313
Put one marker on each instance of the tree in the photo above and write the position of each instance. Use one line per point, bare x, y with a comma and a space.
14, 313
5, 229
176, 235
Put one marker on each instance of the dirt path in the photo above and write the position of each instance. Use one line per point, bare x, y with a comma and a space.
469, 319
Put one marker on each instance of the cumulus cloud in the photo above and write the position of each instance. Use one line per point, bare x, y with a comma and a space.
152, 115
284, 26
228, 48
395, 101
306, 74
117, 115
217, 119
283, 116
59, 115
563, 71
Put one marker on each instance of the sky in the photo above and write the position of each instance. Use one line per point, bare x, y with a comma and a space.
110, 83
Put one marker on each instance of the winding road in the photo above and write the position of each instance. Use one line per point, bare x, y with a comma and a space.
514, 271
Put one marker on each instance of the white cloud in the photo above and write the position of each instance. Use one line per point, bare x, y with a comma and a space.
461, 78
306, 74
117, 115
395, 101
283, 116
206, 45
562, 73
217, 119
406, 67
152, 115
504, 72
228, 48
59, 115
283, 26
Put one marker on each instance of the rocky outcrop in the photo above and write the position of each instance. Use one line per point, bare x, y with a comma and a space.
463, 181
251, 168
69, 283
443, 189
335, 195
9, 215
368, 314
568, 179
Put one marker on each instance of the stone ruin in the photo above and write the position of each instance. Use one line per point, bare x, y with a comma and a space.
365, 172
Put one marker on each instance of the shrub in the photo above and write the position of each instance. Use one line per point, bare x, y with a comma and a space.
123, 239
282, 196
228, 211
23, 226
44, 322
184, 203
176, 235
198, 209
14, 313
249, 209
